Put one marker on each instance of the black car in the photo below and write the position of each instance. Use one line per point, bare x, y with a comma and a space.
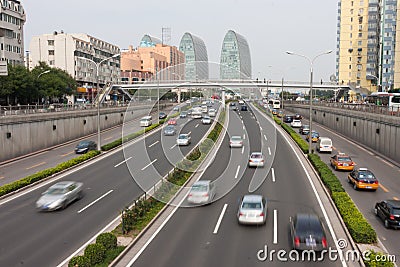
297, 116
243, 108
304, 129
307, 232
288, 118
162, 115
85, 146
389, 212
232, 104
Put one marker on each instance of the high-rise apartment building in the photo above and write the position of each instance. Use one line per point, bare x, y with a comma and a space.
12, 20
78, 54
366, 44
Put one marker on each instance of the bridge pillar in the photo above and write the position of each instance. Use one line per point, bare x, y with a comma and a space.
179, 96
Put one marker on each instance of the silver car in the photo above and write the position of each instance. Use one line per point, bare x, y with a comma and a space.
201, 192
206, 120
256, 159
183, 140
59, 195
252, 210
236, 141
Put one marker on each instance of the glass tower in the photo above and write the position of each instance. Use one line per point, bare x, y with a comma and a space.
196, 58
235, 57
149, 41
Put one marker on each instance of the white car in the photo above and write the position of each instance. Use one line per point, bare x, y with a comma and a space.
183, 140
296, 123
252, 210
201, 192
256, 159
206, 120
236, 141
212, 112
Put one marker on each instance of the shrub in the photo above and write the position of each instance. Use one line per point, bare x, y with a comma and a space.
108, 240
79, 261
327, 176
377, 259
95, 253
358, 226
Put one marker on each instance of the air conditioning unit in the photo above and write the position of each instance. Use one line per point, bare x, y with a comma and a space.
19, 27
19, 41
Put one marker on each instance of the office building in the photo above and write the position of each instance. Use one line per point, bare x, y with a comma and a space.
196, 58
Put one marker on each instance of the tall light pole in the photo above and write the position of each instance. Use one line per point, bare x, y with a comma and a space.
311, 61
179, 88
44, 72
97, 87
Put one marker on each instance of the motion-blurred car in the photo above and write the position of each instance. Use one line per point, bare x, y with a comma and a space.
183, 114
183, 140
256, 159
389, 212
59, 196
231, 104
362, 178
342, 161
295, 123
170, 130
85, 146
252, 210
304, 129
189, 112
206, 120
314, 136
236, 141
201, 192
162, 115
307, 232
243, 108
172, 121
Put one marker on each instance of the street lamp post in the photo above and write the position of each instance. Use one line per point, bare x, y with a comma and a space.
179, 88
98, 95
311, 61
44, 72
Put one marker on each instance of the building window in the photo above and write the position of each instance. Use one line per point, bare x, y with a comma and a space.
51, 62
50, 42
51, 52
349, 67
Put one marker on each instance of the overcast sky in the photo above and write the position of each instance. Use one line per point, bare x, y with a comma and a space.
271, 27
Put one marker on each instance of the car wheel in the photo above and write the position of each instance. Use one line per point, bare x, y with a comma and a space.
64, 205
355, 186
80, 195
376, 211
386, 224
348, 180
335, 167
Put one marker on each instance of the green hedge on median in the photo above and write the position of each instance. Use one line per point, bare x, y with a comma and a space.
358, 226
11, 187
328, 177
377, 259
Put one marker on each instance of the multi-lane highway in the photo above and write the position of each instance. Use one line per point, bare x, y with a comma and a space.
387, 174
210, 235
33, 238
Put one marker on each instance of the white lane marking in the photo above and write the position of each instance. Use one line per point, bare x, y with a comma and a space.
269, 151
79, 211
148, 164
265, 137
172, 147
242, 149
197, 125
386, 162
244, 136
220, 219
153, 144
243, 127
260, 128
273, 174
122, 162
237, 171
275, 241
189, 132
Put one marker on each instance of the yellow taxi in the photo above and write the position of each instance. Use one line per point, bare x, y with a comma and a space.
342, 161
314, 137
362, 178
274, 112
280, 114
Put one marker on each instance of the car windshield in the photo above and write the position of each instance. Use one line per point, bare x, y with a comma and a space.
83, 143
366, 175
251, 205
396, 211
306, 126
256, 156
182, 136
169, 128
307, 225
326, 142
199, 188
55, 191
236, 138
344, 159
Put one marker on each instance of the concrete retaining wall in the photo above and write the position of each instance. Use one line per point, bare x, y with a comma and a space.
378, 132
26, 134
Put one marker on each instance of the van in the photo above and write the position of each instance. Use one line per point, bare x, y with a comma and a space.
146, 121
324, 144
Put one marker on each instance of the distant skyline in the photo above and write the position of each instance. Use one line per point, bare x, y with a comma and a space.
271, 27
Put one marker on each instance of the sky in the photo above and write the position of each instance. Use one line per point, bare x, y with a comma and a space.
271, 27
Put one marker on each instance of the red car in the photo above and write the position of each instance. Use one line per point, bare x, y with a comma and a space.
172, 122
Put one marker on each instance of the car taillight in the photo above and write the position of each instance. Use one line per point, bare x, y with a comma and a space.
297, 241
324, 242
190, 195
340, 164
205, 195
261, 214
391, 216
352, 164
240, 214
376, 182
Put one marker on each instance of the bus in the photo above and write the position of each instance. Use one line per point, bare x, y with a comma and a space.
391, 100
275, 103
